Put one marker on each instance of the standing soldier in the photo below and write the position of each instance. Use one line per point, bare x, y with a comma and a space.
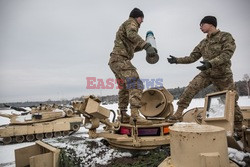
216, 50
127, 42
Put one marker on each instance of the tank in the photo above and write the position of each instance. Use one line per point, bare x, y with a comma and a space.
202, 139
44, 121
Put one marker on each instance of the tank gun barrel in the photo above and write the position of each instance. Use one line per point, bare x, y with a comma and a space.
15, 108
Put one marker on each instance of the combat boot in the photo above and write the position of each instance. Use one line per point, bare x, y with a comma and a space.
177, 115
124, 116
135, 116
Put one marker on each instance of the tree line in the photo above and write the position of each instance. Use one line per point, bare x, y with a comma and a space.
242, 87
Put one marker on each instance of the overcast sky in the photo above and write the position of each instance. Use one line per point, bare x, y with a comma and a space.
49, 47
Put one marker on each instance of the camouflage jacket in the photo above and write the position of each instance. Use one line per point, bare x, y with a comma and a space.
127, 40
218, 50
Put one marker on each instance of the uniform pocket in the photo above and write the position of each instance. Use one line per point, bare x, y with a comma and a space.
220, 71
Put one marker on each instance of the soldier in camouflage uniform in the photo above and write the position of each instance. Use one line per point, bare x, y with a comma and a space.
216, 50
127, 42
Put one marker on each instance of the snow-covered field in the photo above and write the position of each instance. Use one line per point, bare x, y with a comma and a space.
7, 157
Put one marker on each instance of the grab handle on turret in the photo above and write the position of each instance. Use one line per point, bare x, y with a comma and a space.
158, 105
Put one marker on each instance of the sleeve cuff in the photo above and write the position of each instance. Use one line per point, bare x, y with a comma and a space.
143, 44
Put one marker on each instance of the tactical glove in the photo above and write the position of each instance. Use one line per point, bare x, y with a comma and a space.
206, 65
172, 59
151, 51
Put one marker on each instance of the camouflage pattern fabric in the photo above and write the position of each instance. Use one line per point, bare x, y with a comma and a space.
127, 40
218, 48
128, 80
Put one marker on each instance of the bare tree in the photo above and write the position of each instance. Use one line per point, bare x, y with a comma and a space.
246, 78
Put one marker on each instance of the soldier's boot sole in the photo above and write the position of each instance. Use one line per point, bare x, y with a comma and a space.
135, 117
177, 117
140, 121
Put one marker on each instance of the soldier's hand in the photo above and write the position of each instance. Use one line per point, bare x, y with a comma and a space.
151, 51
205, 65
172, 59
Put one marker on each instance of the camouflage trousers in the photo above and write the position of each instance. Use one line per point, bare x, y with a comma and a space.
202, 81
130, 86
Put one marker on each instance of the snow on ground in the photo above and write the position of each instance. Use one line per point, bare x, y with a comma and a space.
89, 152
238, 156
7, 158
7, 153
